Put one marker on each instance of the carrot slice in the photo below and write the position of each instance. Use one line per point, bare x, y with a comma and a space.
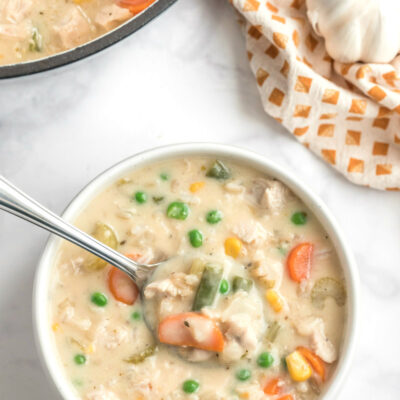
136, 6
191, 329
316, 363
299, 261
286, 397
122, 287
273, 386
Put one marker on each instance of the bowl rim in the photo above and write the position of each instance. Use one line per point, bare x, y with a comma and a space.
87, 49
42, 329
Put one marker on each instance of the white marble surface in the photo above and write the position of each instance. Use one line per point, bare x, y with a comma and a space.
184, 77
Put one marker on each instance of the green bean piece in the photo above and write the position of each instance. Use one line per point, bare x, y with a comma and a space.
140, 197
36, 41
284, 363
158, 199
106, 235
299, 218
164, 176
219, 171
195, 238
265, 360
178, 210
243, 374
240, 283
99, 299
80, 359
208, 287
190, 386
213, 217
328, 287
140, 357
272, 331
224, 287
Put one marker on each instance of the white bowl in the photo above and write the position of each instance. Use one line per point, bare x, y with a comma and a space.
43, 333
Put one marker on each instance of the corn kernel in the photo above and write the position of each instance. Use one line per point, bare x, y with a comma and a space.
233, 246
56, 327
274, 299
298, 367
196, 186
89, 349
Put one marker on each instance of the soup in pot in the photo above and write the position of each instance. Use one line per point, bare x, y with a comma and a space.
33, 29
250, 304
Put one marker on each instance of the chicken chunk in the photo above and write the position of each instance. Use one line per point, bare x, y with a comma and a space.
174, 294
241, 321
315, 329
179, 284
238, 328
15, 31
268, 272
101, 393
111, 336
111, 15
269, 194
250, 232
74, 28
68, 316
14, 11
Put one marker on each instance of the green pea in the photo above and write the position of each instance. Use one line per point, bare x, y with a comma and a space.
265, 360
141, 197
178, 210
136, 316
299, 218
224, 286
164, 176
214, 216
195, 238
243, 374
80, 359
99, 299
190, 386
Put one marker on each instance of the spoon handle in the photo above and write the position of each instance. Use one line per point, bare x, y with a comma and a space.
18, 203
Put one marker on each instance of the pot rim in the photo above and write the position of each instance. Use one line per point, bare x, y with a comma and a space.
87, 49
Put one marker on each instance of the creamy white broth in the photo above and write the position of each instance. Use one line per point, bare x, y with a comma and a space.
33, 29
109, 336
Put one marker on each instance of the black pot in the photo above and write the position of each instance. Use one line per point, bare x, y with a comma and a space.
87, 49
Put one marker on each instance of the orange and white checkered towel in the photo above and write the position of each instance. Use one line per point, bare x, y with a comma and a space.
349, 114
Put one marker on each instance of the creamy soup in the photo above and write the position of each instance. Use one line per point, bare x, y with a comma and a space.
250, 304
32, 29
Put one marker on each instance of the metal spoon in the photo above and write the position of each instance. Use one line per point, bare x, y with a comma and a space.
18, 203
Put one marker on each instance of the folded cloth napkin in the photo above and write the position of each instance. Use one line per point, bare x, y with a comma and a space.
348, 114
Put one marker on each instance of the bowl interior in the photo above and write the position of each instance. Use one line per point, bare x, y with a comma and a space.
41, 312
